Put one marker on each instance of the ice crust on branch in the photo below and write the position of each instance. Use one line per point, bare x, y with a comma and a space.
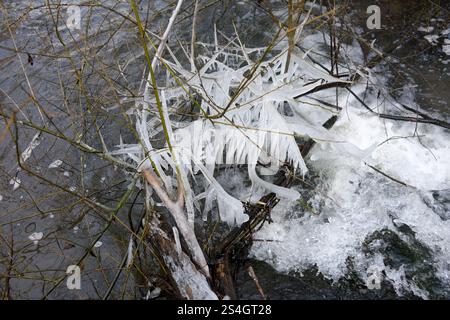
252, 118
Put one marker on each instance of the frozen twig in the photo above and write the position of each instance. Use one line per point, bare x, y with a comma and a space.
176, 209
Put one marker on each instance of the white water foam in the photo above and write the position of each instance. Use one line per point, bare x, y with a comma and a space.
353, 201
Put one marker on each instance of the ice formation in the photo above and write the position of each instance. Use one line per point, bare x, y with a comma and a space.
251, 116
355, 202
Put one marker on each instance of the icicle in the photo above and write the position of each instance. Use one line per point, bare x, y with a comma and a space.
130, 252
184, 179
176, 237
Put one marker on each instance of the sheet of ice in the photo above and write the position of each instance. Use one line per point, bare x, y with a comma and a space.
55, 164
35, 237
98, 244
32, 145
15, 182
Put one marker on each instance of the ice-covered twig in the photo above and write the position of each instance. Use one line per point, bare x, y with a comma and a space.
190, 283
176, 209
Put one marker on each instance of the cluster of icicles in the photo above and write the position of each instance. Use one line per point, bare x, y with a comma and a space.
258, 126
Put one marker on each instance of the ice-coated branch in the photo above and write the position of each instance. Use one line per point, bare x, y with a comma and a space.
194, 36
163, 41
190, 282
176, 209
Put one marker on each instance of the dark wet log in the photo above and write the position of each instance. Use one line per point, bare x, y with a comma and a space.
223, 280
